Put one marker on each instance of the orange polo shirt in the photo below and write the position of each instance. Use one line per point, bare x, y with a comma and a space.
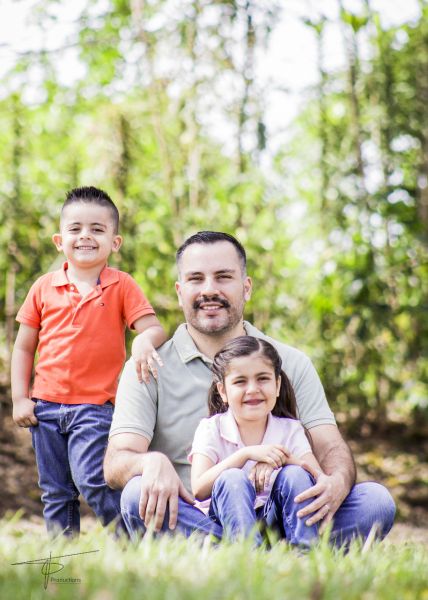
81, 340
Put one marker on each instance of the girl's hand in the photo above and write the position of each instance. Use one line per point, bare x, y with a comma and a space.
260, 476
274, 455
23, 412
145, 358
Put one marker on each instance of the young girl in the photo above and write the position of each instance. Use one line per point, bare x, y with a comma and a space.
251, 457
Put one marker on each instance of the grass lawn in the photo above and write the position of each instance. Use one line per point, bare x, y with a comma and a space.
175, 569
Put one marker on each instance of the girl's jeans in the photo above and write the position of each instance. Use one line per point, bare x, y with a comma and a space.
232, 505
69, 442
368, 504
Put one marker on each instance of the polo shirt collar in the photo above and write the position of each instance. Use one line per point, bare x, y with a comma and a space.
106, 278
229, 429
187, 349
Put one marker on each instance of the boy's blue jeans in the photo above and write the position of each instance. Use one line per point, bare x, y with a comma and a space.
69, 442
366, 505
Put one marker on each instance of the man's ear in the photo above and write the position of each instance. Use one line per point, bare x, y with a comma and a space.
57, 240
248, 286
117, 242
178, 291
221, 391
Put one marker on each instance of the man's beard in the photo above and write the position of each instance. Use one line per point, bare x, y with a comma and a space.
215, 325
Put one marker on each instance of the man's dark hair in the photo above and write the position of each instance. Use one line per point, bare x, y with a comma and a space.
93, 195
211, 237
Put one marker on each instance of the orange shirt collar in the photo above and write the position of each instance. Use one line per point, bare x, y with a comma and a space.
107, 276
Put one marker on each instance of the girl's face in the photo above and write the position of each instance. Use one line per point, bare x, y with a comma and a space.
250, 388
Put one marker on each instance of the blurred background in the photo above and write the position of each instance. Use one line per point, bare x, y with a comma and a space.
301, 127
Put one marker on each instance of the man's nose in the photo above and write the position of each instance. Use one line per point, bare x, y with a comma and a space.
210, 287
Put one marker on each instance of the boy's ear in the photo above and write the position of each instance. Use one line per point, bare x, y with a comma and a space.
117, 242
220, 389
57, 240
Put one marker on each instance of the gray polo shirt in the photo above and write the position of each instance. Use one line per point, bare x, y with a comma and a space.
168, 411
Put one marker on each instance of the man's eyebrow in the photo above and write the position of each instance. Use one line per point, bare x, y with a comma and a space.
219, 272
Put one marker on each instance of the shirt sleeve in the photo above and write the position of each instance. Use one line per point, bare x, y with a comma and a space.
204, 441
136, 405
311, 402
30, 312
297, 442
135, 303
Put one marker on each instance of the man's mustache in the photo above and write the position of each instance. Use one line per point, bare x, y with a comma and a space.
224, 303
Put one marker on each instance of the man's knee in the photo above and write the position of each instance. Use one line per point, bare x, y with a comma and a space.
130, 498
379, 506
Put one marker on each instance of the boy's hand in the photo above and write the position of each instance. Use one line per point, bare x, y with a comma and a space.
23, 412
145, 358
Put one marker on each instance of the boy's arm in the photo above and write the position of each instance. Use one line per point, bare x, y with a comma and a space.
151, 336
21, 369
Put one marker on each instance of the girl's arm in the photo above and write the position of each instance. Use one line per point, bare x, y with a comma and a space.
151, 336
205, 472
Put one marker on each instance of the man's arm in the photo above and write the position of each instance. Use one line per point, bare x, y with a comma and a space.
127, 456
338, 476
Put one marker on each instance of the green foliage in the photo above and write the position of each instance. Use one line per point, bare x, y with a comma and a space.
336, 236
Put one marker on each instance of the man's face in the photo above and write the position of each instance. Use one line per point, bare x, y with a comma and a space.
212, 289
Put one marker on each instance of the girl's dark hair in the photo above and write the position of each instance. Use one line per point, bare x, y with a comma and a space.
244, 346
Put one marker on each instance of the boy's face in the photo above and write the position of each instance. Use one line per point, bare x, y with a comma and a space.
87, 235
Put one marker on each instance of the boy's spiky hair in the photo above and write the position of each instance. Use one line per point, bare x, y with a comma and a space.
93, 195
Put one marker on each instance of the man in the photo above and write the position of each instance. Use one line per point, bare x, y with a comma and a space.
153, 424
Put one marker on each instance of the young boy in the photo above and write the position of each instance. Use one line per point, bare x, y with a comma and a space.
76, 318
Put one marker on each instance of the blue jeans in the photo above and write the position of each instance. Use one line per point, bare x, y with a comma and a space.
69, 442
367, 504
232, 505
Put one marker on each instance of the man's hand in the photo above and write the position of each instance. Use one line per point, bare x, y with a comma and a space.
160, 488
145, 358
23, 412
329, 493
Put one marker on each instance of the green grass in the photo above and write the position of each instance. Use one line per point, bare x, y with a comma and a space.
178, 569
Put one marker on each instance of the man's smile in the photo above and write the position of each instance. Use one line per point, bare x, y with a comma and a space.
212, 305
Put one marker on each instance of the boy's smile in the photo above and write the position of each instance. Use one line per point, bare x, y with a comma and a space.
87, 235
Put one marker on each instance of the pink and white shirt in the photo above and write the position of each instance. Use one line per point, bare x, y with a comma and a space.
218, 437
